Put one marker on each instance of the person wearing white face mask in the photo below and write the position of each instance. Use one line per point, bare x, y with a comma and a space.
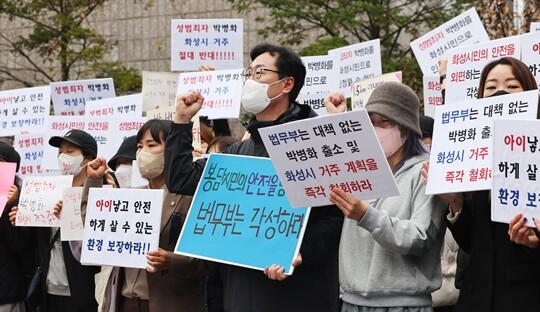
121, 162
390, 247
171, 282
273, 81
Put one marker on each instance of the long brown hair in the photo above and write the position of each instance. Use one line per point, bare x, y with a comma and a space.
519, 69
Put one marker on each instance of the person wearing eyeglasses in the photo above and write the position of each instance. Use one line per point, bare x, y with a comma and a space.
272, 83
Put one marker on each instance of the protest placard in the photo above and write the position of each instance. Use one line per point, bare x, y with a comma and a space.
462, 145
30, 148
465, 65
24, 110
121, 226
158, 89
222, 91
241, 216
432, 94
71, 224
356, 62
321, 74
37, 199
362, 89
515, 164
535, 26
167, 113
127, 106
216, 42
7, 179
530, 53
315, 100
464, 29
316, 155
109, 133
69, 97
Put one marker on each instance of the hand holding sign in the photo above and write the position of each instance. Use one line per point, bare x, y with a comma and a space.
13, 215
275, 272
335, 103
187, 105
521, 234
12, 194
159, 259
351, 207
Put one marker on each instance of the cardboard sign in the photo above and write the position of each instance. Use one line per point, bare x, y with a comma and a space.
462, 146
465, 65
362, 89
316, 155
71, 225
241, 216
464, 29
37, 199
516, 159
216, 42
69, 97
356, 62
24, 110
120, 106
121, 226
222, 91
159, 89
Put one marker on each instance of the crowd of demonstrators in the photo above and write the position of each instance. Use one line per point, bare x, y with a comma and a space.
502, 272
386, 254
273, 81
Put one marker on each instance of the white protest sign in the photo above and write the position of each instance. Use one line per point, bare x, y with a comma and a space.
216, 42
465, 65
109, 133
121, 226
321, 74
356, 62
464, 29
30, 148
222, 90
432, 94
316, 155
515, 164
127, 105
167, 113
37, 200
530, 53
24, 110
315, 100
159, 89
362, 89
136, 179
69, 97
535, 27
71, 224
462, 146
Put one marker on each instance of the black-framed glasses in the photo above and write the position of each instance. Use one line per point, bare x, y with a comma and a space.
257, 72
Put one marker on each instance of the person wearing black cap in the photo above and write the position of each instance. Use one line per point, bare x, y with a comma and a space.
13, 244
121, 162
426, 125
67, 285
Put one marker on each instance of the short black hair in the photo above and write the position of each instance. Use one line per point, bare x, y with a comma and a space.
288, 63
159, 129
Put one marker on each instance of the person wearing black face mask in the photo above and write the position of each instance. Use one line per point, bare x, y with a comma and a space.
503, 273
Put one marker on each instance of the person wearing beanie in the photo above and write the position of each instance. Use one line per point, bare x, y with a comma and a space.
390, 247
426, 126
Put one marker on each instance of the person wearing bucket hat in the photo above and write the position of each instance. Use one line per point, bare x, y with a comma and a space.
122, 161
390, 247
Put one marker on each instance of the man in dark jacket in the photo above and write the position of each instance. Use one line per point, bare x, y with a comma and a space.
273, 82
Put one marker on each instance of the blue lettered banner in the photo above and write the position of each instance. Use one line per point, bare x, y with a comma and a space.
241, 216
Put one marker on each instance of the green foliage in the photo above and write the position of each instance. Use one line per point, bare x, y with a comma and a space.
321, 46
60, 46
126, 80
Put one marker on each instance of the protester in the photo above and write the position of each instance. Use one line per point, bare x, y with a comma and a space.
67, 285
501, 275
273, 82
171, 282
445, 297
220, 143
122, 162
390, 247
13, 244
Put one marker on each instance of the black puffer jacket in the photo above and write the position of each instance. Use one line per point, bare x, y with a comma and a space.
314, 284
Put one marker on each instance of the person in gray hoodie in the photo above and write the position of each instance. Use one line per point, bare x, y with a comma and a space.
389, 256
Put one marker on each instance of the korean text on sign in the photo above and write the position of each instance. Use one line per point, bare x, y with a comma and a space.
241, 216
